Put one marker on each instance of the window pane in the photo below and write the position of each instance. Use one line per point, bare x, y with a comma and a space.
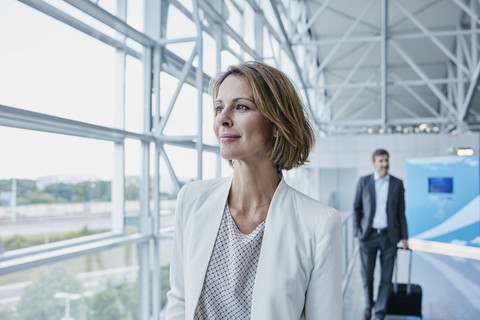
183, 119
52, 187
228, 59
52, 68
249, 18
179, 26
133, 160
133, 96
209, 55
208, 119
98, 286
165, 255
184, 162
234, 17
135, 14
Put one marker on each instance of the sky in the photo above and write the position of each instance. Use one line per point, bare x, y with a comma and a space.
49, 68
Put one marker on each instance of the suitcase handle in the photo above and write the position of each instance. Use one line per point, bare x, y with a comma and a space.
395, 287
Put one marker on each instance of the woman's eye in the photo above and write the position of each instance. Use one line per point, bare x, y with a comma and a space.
241, 107
218, 109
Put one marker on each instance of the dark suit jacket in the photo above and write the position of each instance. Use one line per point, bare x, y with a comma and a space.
364, 209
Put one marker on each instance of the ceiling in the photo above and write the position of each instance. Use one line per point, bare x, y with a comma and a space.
391, 66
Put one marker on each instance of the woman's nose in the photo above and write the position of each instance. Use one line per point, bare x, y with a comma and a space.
224, 119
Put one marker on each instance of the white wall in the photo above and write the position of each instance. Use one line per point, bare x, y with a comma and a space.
337, 162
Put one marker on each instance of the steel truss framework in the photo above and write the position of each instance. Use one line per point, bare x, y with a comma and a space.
389, 65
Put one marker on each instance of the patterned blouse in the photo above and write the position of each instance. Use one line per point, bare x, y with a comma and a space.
228, 285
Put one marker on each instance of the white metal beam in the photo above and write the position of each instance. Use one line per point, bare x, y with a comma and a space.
312, 20
413, 121
468, 98
298, 19
403, 36
422, 75
460, 90
417, 96
417, 11
292, 56
384, 64
347, 34
345, 55
364, 108
153, 28
43, 257
405, 109
254, 4
466, 52
467, 10
20, 118
118, 178
474, 30
349, 76
352, 98
199, 87
395, 82
437, 43
436, 34
145, 216
181, 80
110, 20
443, 81
209, 10
358, 123
373, 28
171, 171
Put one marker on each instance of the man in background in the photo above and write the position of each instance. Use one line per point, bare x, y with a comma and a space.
379, 224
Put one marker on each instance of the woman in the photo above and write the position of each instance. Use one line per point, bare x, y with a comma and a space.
250, 246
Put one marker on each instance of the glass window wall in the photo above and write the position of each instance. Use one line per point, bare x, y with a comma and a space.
99, 128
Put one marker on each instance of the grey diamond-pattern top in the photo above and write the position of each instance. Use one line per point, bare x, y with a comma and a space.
228, 285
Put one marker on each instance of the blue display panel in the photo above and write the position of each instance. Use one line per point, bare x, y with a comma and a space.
440, 185
443, 199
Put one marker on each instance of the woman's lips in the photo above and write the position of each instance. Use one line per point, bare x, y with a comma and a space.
228, 137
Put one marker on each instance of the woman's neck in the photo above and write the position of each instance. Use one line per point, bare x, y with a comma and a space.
253, 187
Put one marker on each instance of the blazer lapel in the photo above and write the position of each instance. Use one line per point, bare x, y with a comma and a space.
202, 232
264, 284
391, 187
373, 198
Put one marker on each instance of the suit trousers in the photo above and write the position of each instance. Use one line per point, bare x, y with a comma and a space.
369, 247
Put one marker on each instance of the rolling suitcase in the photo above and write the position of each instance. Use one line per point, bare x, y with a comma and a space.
405, 298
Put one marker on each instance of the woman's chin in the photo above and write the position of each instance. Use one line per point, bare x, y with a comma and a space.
227, 155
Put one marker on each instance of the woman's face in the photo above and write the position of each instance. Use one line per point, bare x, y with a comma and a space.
243, 132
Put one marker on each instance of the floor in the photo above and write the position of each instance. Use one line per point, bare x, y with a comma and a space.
450, 287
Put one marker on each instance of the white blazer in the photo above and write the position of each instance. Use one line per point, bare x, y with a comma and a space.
299, 273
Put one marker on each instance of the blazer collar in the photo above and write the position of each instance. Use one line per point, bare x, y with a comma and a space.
371, 187
204, 229
274, 223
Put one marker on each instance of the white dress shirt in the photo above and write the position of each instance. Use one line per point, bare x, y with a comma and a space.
228, 285
381, 195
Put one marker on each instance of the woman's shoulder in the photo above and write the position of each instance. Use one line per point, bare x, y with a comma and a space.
206, 183
199, 188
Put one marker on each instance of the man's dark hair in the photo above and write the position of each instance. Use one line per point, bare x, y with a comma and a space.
379, 152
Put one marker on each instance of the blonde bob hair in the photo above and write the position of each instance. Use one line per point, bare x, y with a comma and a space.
277, 99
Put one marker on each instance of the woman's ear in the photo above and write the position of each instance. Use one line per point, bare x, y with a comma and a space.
276, 132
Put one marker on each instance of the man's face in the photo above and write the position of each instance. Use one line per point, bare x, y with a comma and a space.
380, 163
